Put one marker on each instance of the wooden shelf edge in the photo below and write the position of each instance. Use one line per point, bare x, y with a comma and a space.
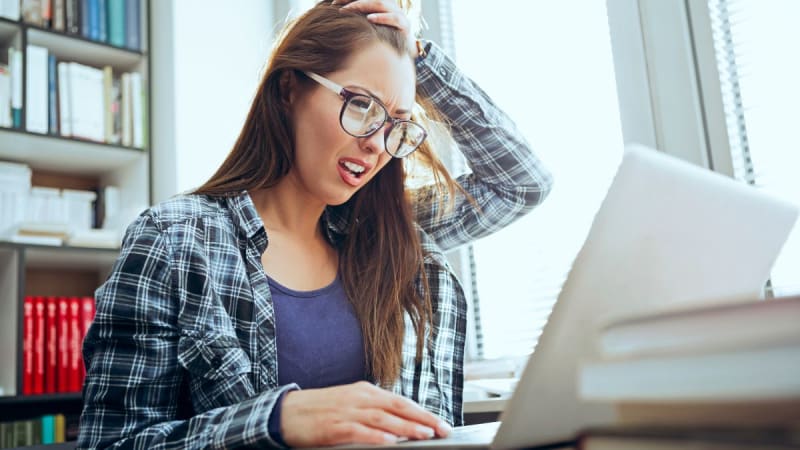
62, 397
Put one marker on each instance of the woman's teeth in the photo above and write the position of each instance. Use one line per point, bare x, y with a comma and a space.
353, 167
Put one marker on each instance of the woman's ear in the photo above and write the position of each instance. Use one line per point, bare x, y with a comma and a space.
288, 84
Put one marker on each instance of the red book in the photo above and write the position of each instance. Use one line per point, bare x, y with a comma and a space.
51, 347
38, 344
62, 326
75, 338
87, 315
27, 346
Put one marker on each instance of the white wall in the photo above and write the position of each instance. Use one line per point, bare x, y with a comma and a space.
206, 63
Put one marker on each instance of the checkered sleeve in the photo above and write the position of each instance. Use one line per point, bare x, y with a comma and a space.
507, 179
133, 378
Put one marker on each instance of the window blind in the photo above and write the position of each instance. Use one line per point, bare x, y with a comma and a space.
552, 71
756, 46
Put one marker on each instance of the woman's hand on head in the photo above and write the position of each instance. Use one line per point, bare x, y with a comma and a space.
359, 413
384, 12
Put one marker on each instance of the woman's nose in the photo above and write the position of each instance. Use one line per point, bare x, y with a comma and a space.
376, 142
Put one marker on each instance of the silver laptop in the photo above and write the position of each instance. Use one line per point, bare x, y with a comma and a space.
667, 232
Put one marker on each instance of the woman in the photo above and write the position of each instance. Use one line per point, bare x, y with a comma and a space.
300, 297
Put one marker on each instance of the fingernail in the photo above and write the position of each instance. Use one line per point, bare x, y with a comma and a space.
444, 428
389, 438
425, 432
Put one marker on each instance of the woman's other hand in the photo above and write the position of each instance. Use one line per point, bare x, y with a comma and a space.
359, 413
384, 12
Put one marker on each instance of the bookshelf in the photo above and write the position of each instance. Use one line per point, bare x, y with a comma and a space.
63, 162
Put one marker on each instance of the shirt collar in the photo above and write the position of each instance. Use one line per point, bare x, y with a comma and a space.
335, 220
246, 219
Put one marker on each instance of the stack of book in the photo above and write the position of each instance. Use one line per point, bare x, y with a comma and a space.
53, 332
722, 374
15, 185
48, 429
115, 22
11, 90
79, 101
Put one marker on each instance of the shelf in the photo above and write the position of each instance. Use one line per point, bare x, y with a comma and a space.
77, 258
22, 407
71, 47
64, 155
41, 398
8, 29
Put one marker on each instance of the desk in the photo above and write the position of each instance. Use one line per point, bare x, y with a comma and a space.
483, 410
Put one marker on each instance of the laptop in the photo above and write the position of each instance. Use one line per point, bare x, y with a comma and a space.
668, 232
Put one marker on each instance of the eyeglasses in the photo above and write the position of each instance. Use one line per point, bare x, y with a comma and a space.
363, 115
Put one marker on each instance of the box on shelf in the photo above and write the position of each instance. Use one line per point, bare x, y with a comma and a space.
15, 183
78, 208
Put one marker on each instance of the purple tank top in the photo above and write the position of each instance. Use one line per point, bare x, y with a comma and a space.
318, 336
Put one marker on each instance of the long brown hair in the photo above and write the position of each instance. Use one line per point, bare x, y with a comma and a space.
380, 258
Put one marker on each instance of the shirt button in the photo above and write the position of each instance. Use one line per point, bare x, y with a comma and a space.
443, 73
216, 362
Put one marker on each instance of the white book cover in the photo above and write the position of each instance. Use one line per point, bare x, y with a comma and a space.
747, 374
36, 105
108, 99
702, 328
127, 125
9, 9
137, 110
86, 84
64, 100
5, 96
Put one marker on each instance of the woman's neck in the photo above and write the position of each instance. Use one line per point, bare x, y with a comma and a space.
285, 208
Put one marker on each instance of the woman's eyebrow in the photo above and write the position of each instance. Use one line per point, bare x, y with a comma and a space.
362, 88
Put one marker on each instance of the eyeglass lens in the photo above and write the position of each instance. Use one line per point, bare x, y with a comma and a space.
362, 115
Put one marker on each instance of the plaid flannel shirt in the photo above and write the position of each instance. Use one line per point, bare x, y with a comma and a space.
182, 351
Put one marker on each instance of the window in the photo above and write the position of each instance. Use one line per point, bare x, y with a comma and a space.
552, 71
755, 43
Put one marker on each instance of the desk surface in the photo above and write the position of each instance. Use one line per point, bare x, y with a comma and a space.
493, 405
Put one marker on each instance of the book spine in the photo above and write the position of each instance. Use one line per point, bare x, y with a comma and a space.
75, 339
85, 15
72, 16
10, 11
64, 100
51, 350
6, 434
87, 316
34, 431
127, 124
48, 429
108, 99
32, 12
5, 96
15, 66
94, 20
132, 25
116, 22
60, 428
20, 434
38, 345
63, 344
47, 13
36, 89
137, 113
27, 346
58, 15
102, 14
52, 95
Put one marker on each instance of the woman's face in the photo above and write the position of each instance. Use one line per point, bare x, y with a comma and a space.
326, 157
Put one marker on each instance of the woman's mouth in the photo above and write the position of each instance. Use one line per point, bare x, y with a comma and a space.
352, 171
